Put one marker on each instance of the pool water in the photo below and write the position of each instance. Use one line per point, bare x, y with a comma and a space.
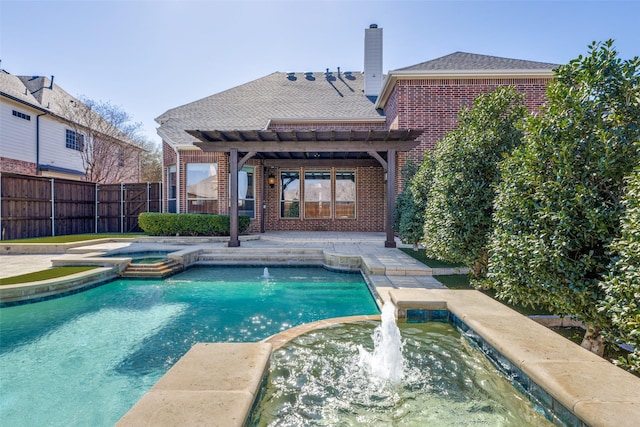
85, 359
317, 380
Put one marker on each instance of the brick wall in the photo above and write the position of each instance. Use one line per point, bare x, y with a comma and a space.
17, 166
433, 104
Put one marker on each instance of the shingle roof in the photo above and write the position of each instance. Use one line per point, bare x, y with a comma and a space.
41, 93
298, 96
471, 61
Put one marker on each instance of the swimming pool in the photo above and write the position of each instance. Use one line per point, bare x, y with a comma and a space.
86, 358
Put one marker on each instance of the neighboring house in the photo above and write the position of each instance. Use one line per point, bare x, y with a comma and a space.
323, 150
45, 131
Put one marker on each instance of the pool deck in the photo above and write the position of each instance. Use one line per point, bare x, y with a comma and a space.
386, 268
217, 384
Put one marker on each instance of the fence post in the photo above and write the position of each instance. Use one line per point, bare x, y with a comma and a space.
2, 229
96, 209
121, 208
53, 208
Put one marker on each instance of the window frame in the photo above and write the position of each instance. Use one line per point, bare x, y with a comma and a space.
21, 115
206, 202
74, 140
172, 190
283, 202
354, 202
251, 185
322, 204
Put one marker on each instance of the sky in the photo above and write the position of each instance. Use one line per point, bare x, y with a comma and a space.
148, 56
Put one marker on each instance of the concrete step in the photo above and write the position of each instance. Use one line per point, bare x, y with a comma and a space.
269, 256
158, 269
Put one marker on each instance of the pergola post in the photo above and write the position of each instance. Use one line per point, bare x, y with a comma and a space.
391, 198
233, 198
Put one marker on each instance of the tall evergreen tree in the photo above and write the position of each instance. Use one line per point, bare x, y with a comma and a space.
460, 202
559, 205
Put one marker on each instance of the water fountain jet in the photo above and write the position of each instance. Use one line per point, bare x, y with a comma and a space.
386, 361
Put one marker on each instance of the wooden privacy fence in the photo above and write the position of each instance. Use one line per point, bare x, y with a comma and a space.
33, 206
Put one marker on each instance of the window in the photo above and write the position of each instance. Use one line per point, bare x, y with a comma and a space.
246, 192
202, 187
317, 194
172, 192
74, 140
345, 194
290, 194
21, 115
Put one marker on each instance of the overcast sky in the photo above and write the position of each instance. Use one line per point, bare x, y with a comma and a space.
148, 56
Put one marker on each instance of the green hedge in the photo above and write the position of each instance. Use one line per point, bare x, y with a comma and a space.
172, 224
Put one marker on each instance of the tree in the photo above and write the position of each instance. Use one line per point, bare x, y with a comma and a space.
622, 286
112, 148
460, 203
559, 204
410, 204
151, 168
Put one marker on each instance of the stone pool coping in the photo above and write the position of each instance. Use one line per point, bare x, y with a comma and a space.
593, 389
597, 392
35, 291
212, 384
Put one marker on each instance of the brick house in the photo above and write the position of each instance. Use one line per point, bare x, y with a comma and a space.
47, 132
322, 150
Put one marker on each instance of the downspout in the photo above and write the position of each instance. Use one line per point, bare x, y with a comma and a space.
178, 189
38, 143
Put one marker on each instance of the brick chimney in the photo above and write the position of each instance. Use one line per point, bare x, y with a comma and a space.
372, 60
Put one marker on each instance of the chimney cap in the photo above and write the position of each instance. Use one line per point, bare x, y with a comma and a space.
373, 26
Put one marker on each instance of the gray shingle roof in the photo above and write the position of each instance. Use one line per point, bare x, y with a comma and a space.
471, 61
39, 92
278, 95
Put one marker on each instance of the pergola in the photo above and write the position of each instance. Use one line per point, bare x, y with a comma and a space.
307, 146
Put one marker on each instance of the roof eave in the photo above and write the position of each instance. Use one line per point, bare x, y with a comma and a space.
394, 76
323, 120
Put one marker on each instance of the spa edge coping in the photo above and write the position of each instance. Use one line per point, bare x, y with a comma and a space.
218, 384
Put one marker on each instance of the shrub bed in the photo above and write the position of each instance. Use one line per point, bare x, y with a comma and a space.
173, 224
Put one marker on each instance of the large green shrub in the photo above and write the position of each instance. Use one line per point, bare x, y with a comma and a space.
410, 204
559, 204
460, 203
172, 224
622, 286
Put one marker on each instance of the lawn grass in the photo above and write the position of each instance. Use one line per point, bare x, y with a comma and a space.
50, 273
431, 262
75, 238
461, 281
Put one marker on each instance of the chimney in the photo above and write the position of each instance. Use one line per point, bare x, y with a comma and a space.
372, 60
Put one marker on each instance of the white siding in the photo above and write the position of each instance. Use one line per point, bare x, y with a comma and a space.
17, 135
53, 150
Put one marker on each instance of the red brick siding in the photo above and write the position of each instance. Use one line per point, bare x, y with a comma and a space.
433, 105
17, 166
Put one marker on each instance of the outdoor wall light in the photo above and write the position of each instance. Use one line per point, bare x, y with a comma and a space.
271, 180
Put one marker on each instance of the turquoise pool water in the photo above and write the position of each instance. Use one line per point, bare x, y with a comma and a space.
86, 358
